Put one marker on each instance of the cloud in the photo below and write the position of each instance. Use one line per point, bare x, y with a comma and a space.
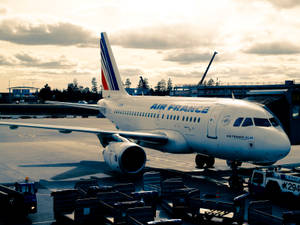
173, 36
62, 33
182, 73
6, 61
27, 60
131, 72
188, 56
3, 11
274, 48
285, 3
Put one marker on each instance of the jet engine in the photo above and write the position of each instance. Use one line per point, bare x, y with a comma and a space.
125, 157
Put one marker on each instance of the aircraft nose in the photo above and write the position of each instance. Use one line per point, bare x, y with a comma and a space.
279, 145
272, 145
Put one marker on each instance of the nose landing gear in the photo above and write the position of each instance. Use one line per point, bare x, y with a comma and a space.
235, 181
204, 161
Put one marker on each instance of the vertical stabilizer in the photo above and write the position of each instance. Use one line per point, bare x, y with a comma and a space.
111, 81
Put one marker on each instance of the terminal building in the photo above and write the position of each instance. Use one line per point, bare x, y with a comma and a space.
282, 99
20, 94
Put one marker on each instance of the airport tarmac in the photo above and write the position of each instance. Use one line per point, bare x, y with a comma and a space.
57, 159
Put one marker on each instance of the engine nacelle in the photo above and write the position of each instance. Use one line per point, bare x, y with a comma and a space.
125, 157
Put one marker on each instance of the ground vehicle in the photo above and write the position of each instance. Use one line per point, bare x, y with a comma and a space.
274, 182
28, 189
19, 201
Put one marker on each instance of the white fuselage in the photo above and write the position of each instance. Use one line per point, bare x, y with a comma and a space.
202, 125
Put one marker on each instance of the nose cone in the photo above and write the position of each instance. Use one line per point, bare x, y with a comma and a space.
272, 145
281, 145
277, 145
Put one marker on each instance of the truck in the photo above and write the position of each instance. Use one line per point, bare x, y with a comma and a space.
28, 190
21, 199
272, 183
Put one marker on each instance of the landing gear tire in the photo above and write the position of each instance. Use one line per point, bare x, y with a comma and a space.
233, 164
236, 183
204, 161
200, 161
210, 162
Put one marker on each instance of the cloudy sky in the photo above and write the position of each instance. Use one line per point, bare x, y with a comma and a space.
55, 41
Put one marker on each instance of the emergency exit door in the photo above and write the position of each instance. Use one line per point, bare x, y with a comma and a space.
212, 124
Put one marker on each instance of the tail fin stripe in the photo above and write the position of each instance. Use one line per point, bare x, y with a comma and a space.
104, 83
108, 64
106, 74
106, 69
109, 70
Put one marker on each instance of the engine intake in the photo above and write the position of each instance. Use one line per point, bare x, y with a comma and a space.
133, 159
125, 157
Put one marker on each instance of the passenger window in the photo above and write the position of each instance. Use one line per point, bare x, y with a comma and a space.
274, 122
261, 122
238, 122
247, 122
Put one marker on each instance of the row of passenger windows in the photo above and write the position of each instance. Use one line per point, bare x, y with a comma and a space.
259, 122
157, 115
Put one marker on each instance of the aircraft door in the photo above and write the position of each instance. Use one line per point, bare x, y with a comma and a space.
212, 124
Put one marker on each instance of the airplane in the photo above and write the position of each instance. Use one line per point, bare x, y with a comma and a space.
230, 129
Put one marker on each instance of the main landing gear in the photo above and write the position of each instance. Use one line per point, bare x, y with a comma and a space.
235, 181
204, 161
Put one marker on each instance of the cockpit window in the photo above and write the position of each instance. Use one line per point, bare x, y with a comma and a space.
274, 122
247, 122
261, 122
238, 122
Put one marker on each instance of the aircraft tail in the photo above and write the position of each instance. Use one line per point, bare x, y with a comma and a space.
111, 81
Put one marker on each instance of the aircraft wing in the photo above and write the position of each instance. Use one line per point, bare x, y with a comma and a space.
79, 105
141, 136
